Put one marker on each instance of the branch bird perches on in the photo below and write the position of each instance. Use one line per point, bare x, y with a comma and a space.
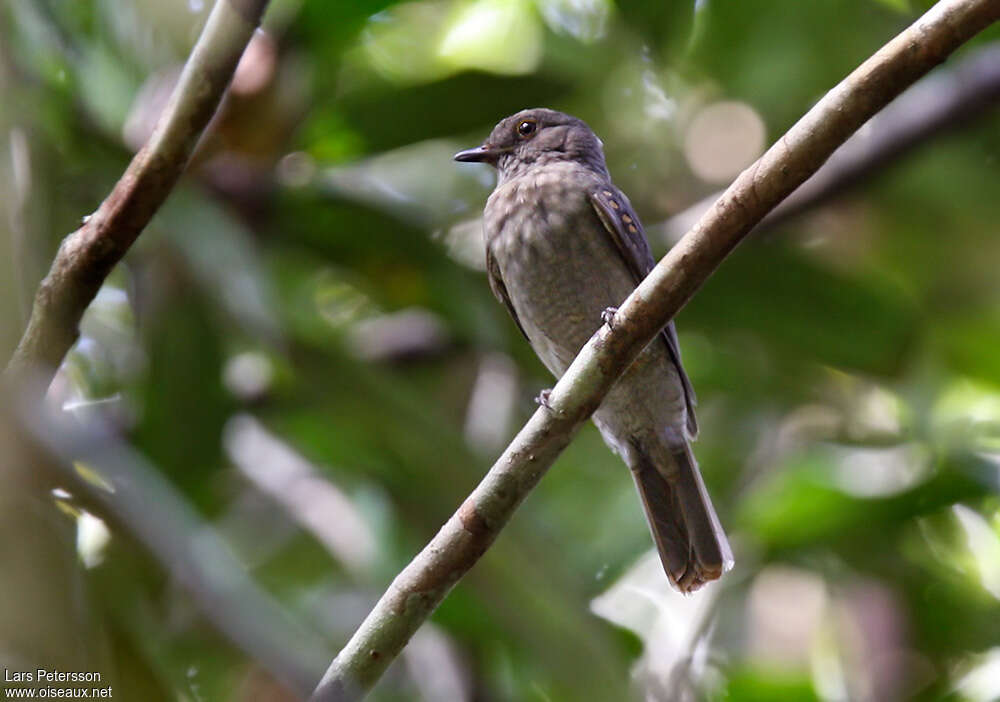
422, 585
88, 255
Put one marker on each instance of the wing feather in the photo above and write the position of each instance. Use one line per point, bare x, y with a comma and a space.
619, 219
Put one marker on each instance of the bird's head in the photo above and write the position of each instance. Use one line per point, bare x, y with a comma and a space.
537, 137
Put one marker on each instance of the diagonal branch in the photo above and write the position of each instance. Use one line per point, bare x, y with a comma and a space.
943, 101
423, 584
86, 257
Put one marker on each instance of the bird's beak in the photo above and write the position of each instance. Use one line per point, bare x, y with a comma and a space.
480, 154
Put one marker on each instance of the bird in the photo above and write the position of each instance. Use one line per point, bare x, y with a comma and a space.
563, 248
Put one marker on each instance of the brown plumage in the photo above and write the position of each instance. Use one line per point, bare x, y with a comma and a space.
562, 245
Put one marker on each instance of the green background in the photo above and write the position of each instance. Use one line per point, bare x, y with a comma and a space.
310, 299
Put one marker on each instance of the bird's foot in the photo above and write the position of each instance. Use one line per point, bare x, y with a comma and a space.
543, 398
608, 316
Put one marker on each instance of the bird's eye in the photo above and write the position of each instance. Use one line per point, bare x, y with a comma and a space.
526, 128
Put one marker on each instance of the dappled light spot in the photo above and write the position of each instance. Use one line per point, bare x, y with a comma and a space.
980, 681
423, 41
984, 547
785, 609
496, 36
584, 20
878, 471
722, 139
248, 375
464, 243
309, 497
257, 65
338, 301
402, 335
970, 410
673, 627
296, 170
397, 43
491, 403
92, 539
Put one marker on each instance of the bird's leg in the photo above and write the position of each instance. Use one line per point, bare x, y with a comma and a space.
608, 316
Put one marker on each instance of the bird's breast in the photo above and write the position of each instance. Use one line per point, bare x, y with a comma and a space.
558, 263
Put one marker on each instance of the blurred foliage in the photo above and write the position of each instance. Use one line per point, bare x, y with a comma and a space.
319, 271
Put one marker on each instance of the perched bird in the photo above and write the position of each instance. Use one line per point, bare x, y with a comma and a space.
563, 248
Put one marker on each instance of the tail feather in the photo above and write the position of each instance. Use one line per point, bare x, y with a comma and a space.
692, 545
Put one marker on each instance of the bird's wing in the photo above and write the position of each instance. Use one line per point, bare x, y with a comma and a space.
615, 211
499, 289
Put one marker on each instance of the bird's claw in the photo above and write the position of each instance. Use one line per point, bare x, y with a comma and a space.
543, 398
608, 316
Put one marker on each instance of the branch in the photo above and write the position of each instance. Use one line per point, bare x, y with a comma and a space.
87, 256
423, 584
940, 102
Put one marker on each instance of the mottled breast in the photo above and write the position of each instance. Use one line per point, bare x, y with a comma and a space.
558, 263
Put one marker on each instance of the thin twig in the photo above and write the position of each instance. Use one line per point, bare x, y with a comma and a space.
423, 584
86, 257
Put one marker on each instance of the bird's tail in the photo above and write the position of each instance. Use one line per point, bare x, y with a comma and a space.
692, 545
